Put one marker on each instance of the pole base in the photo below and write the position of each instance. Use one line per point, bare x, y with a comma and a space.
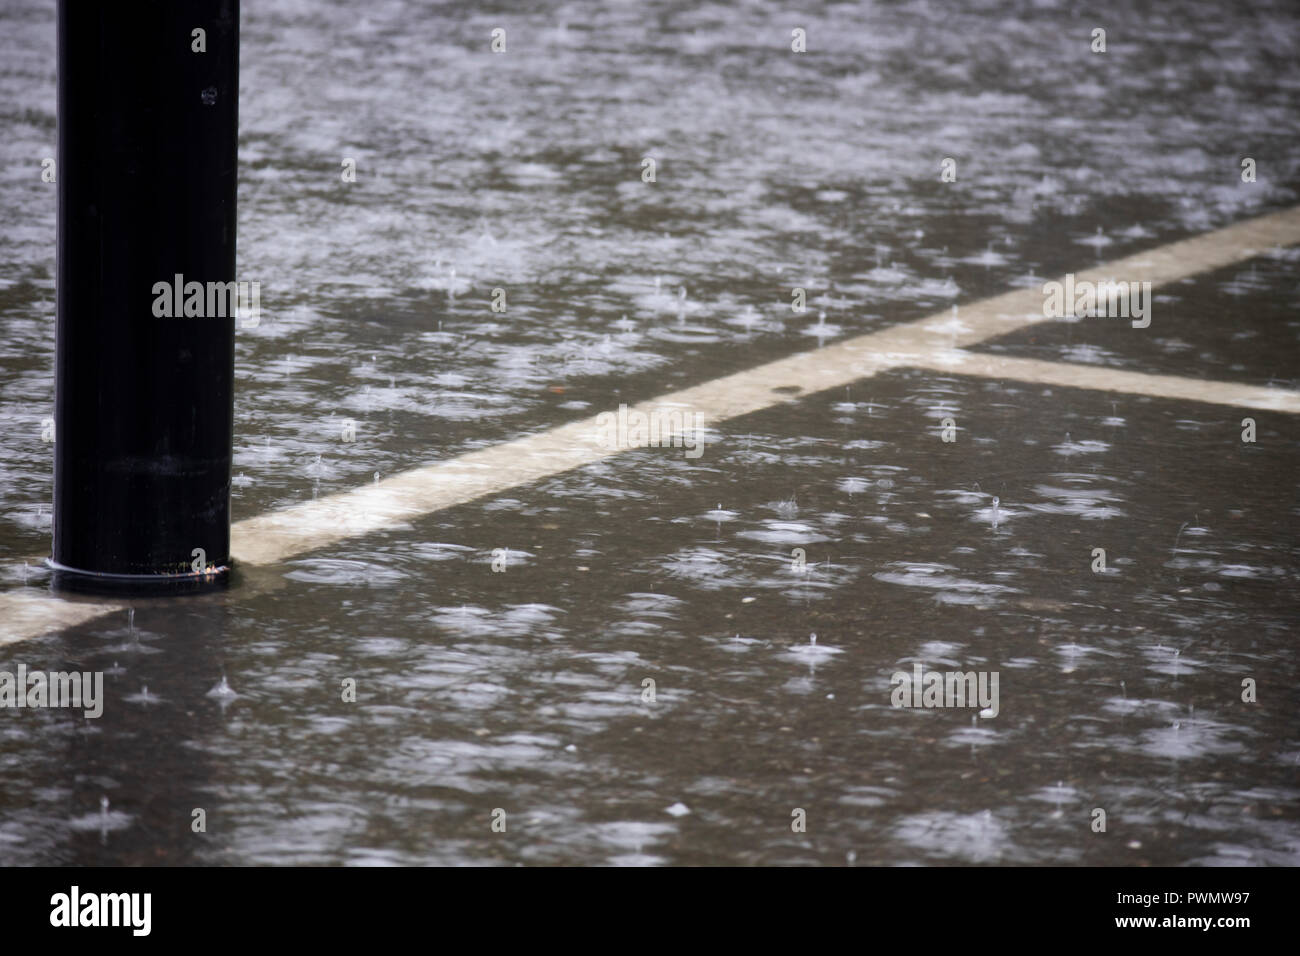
140, 585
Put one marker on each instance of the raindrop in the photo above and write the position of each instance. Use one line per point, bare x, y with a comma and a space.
144, 697
222, 690
1174, 551
104, 821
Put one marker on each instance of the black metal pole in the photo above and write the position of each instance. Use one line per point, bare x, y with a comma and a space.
144, 415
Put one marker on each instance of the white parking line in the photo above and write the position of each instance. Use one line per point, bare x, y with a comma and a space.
1100, 378
29, 613
312, 525
931, 342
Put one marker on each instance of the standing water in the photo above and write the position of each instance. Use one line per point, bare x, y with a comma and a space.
396, 688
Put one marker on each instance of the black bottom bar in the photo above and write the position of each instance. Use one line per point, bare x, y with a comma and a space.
957, 910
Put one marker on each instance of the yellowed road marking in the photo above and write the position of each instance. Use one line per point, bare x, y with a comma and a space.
932, 342
30, 613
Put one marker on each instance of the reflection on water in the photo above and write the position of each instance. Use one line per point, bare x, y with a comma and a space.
376, 703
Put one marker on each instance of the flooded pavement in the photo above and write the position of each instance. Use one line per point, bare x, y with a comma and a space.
499, 650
